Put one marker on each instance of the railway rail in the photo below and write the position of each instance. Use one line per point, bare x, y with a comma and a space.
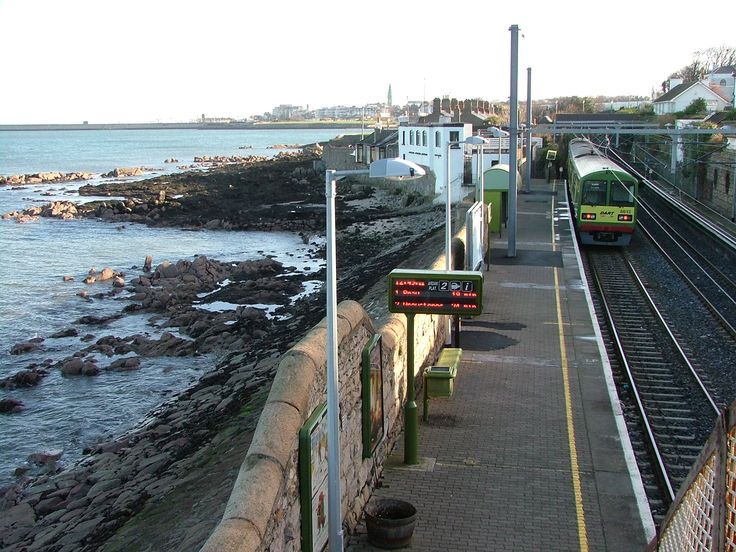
704, 261
670, 397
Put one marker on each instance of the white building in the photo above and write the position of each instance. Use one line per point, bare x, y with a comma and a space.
427, 145
682, 95
723, 81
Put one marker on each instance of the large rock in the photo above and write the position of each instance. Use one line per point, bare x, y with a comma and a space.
10, 406
23, 348
125, 364
122, 172
106, 274
72, 367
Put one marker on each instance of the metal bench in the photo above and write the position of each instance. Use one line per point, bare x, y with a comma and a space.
439, 379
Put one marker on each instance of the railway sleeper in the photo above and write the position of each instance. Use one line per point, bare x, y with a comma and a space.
658, 386
664, 404
654, 417
669, 433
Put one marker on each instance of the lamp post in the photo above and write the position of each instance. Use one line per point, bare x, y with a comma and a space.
393, 169
472, 140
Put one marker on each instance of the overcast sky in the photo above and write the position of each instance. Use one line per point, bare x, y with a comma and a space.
65, 61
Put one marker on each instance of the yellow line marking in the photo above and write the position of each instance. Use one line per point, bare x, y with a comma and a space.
574, 467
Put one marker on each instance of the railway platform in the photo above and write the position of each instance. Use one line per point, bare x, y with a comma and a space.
531, 452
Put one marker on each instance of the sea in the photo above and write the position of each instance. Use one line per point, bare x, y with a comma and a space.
67, 414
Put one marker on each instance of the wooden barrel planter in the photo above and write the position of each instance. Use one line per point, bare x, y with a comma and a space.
390, 523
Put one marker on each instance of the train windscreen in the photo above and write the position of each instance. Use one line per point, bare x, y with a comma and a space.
622, 193
594, 192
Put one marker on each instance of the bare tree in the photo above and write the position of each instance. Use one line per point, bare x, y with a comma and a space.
704, 61
716, 57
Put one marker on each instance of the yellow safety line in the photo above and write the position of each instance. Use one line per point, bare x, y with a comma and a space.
577, 487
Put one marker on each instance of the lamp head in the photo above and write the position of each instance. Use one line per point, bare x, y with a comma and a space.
475, 140
395, 169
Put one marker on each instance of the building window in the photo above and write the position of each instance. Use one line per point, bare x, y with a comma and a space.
411, 137
454, 136
437, 138
403, 137
424, 138
359, 154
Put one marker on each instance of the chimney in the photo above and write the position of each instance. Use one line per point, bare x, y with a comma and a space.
436, 106
446, 105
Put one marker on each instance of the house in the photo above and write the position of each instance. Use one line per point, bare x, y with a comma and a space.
428, 145
723, 81
682, 94
382, 143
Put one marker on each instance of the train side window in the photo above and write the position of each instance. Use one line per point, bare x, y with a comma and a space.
594, 192
622, 193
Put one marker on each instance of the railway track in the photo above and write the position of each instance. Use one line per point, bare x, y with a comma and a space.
705, 263
659, 385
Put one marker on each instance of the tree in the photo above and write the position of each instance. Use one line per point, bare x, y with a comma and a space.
718, 56
705, 61
698, 105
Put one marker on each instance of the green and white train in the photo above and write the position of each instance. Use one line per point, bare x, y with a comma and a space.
603, 196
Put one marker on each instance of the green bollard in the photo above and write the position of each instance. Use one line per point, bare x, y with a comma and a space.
411, 412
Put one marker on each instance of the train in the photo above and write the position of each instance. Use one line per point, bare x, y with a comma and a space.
603, 196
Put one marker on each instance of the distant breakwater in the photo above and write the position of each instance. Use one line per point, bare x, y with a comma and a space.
177, 126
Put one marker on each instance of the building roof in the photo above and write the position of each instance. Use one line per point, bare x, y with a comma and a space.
725, 69
597, 117
674, 92
717, 117
680, 88
381, 137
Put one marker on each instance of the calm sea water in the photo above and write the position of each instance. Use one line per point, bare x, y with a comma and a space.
69, 413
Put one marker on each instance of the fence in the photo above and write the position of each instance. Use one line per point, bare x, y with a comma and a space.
703, 516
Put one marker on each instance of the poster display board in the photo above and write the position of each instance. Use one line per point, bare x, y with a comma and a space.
455, 292
313, 481
372, 395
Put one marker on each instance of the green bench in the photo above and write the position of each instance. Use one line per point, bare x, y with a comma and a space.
439, 379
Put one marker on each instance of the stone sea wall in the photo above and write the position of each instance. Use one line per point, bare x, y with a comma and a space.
263, 512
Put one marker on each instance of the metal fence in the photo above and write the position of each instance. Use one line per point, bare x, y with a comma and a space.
703, 516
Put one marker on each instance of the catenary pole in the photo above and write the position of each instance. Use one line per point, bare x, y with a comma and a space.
528, 164
513, 135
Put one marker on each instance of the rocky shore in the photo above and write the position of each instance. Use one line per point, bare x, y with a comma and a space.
163, 485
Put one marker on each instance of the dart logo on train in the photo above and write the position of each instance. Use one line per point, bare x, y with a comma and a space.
603, 196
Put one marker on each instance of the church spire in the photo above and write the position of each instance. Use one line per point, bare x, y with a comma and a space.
390, 99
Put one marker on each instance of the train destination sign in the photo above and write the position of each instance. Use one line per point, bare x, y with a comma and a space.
435, 292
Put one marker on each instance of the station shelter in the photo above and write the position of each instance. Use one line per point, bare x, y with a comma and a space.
495, 194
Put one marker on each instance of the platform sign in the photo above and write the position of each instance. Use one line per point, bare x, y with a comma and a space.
435, 292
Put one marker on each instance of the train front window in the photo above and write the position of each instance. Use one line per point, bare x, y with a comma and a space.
622, 193
594, 192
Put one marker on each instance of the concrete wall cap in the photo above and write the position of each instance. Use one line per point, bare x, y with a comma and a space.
354, 313
311, 346
293, 382
256, 490
277, 433
233, 535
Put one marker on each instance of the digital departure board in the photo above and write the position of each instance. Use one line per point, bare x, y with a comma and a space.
435, 292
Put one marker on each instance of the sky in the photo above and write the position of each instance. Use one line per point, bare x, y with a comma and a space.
109, 61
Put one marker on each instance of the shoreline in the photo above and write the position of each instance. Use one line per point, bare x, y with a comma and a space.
176, 467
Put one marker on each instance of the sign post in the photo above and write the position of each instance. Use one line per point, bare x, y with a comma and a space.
411, 292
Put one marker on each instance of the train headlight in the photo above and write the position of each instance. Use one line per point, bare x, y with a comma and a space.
588, 216
625, 218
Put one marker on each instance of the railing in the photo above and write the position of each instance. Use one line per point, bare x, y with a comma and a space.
703, 516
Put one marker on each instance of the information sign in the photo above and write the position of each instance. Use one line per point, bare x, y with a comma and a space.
435, 292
